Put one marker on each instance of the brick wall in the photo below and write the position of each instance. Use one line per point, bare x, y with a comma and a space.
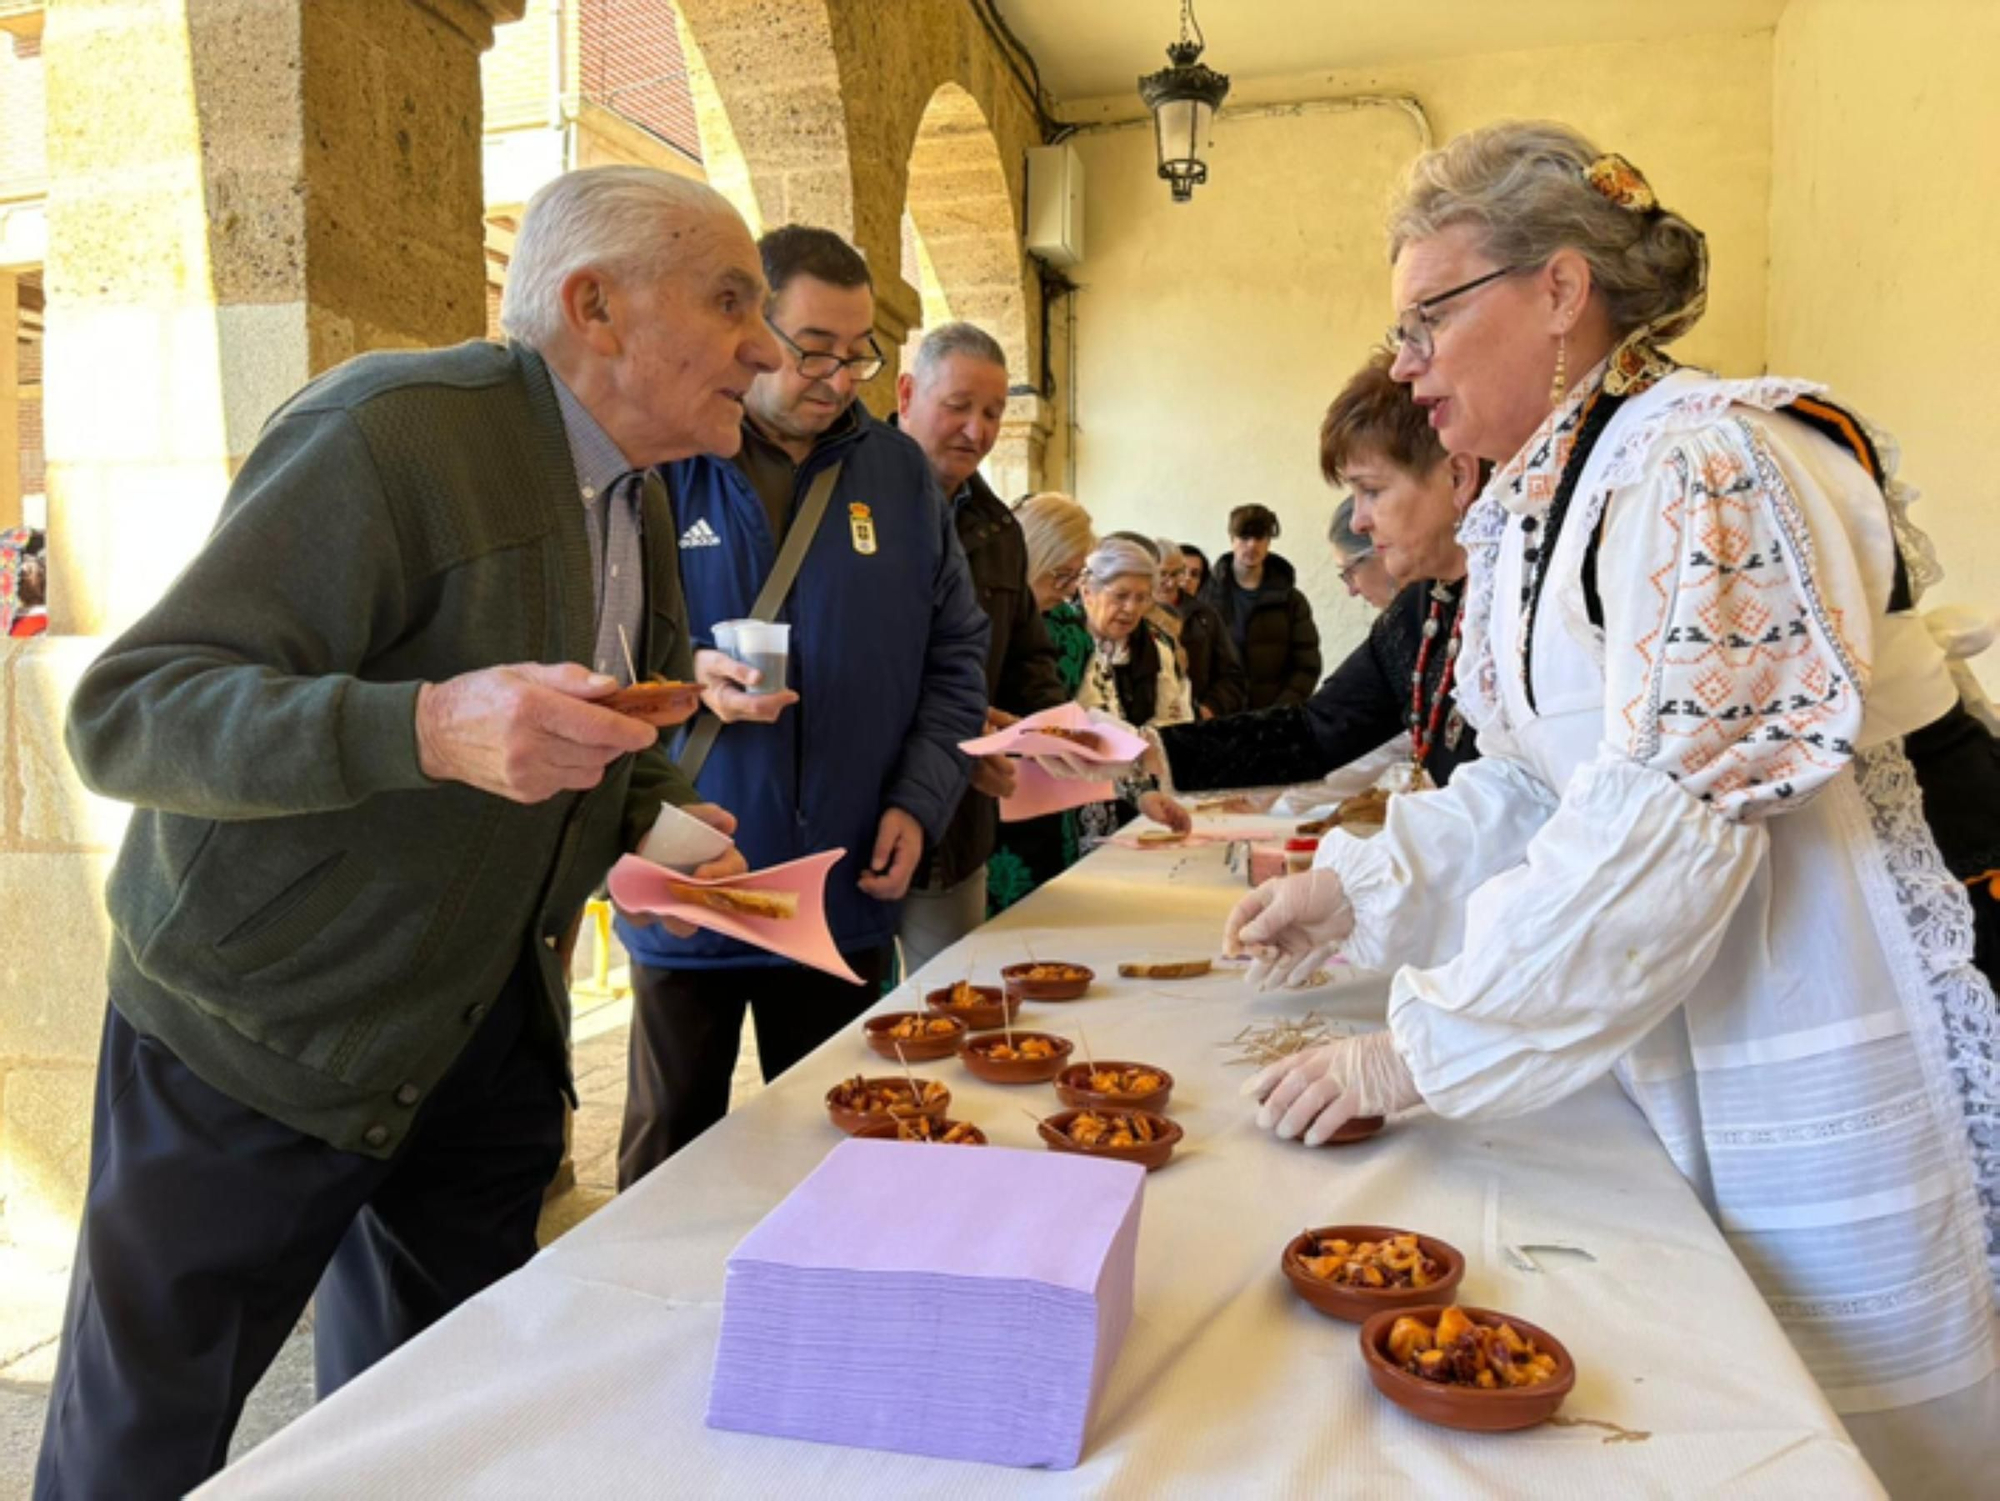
23, 166
631, 62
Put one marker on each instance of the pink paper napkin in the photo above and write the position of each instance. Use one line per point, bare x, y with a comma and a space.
1118, 748
640, 886
1035, 791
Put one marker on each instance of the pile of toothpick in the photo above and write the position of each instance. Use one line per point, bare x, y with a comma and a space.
1266, 1042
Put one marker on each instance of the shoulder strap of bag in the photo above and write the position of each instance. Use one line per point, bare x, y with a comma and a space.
770, 599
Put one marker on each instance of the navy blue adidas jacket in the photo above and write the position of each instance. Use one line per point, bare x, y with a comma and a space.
888, 657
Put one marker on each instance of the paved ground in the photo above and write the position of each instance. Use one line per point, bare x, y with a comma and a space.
31, 1291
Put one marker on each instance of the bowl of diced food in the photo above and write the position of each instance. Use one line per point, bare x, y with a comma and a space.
978, 1006
1015, 1057
1123, 1135
1116, 1084
856, 1103
1353, 1272
924, 1128
1470, 1368
913, 1036
1046, 980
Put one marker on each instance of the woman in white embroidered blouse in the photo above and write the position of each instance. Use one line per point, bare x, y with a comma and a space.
1695, 850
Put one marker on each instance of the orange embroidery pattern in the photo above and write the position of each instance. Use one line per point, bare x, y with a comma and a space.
1751, 692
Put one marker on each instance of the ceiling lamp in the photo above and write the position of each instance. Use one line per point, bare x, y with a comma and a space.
1184, 99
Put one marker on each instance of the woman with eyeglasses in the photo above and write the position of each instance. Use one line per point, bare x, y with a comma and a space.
1362, 572
1734, 837
1133, 674
1058, 535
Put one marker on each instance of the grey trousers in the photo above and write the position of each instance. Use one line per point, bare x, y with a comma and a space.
933, 920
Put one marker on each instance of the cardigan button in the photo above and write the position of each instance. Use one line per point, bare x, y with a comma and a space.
474, 1012
376, 1136
408, 1094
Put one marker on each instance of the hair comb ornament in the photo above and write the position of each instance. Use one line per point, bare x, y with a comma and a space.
1621, 182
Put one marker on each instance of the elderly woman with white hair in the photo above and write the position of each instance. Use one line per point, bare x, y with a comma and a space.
1132, 676
1721, 836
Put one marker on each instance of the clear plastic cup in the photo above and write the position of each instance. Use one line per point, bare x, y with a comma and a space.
764, 644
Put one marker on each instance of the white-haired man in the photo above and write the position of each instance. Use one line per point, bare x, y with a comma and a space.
373, 790
952, 400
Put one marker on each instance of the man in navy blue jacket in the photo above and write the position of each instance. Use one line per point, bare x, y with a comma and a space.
888, 656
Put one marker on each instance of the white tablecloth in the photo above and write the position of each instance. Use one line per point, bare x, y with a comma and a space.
585, 1374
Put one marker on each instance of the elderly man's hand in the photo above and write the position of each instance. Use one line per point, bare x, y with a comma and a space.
729, 863
524, 732
723, 680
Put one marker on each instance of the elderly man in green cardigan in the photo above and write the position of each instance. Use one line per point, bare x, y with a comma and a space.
372, 790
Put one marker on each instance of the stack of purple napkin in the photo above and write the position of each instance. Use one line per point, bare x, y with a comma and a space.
963, 1302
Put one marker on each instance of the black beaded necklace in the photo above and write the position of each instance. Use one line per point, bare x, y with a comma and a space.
1541, 538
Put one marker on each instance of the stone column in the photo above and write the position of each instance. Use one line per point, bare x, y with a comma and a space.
1016, 462
241, 193
10, 401
898, 309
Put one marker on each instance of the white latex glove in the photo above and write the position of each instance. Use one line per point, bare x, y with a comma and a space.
1312, 1094
1290, 927
1077, 769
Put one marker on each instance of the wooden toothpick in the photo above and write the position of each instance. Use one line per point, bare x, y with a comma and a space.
631, 667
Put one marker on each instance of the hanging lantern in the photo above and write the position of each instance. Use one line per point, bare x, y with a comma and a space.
1184, 99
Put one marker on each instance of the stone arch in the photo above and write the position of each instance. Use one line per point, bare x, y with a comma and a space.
767, 94
963, 225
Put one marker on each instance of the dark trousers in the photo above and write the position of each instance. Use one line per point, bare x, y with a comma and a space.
207, 1226
686, 1027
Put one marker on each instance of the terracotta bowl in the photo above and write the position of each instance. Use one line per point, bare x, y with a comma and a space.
1358, 1304
975, 1054
854, 1121
1359, 1129
993, 1008
1466, 1407
1014, 976
885, 1130
1073, 1088
915, 1049
1054, 1133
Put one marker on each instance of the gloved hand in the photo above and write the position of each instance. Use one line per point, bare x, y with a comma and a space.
1077, 769
1314, 1093
1290, 926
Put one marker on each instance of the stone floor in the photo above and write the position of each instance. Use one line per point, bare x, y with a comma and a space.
32, 1290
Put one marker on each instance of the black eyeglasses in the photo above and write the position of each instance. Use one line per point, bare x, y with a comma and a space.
1414, 331
1354, 565
815, 364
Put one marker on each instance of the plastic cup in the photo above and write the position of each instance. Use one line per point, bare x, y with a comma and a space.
763, 644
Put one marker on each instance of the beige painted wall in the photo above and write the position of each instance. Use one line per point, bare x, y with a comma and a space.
1884, 219
1210, 336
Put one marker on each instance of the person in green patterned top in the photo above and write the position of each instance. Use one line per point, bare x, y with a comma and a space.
1059, 537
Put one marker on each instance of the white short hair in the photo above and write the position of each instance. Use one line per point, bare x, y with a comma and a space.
610, 218
1117, 558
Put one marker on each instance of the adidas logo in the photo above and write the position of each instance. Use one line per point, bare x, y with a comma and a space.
701, 534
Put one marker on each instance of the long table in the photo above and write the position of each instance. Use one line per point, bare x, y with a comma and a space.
585, 1373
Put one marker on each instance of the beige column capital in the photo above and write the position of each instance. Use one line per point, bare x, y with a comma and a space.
474, 19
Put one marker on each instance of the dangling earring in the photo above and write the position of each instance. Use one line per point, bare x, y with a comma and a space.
1559, 387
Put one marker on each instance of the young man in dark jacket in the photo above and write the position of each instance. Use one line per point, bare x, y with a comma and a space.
372, 793
1256, 593
951, 401
888, 653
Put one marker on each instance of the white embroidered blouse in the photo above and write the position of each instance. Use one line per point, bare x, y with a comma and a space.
1699, 857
